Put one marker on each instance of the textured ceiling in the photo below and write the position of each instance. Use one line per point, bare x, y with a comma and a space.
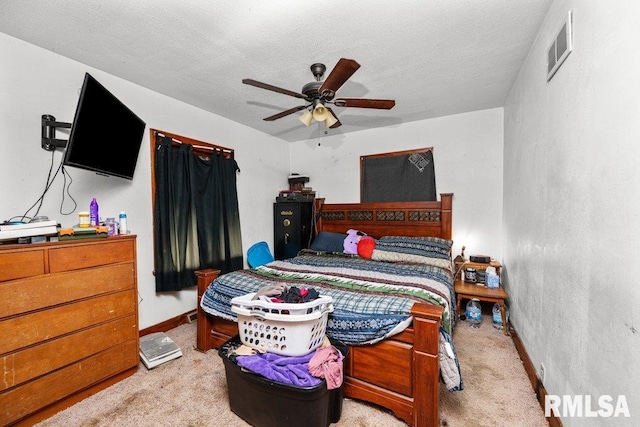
434, 57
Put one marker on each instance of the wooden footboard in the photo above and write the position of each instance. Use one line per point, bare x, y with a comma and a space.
401, 373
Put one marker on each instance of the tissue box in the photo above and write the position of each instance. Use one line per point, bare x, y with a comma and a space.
492, 280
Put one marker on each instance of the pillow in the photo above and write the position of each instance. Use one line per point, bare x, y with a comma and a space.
430, 247
327, 241
366, 246
399, 257
352, 240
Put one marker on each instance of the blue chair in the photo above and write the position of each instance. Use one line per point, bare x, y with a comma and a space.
259, 254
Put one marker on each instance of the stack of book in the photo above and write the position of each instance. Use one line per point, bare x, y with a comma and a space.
77, 232
30, 229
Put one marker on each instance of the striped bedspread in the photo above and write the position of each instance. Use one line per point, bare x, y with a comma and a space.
372, 299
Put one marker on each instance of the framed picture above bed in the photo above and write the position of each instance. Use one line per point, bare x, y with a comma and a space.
400, 176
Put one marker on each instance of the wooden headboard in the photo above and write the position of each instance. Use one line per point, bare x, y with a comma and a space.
388, 218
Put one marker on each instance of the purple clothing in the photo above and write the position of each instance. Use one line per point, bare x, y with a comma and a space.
291, 370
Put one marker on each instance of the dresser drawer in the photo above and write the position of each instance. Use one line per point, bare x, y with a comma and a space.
23, 295
81, 256
19, 402
19, 332
15, 265
35, 361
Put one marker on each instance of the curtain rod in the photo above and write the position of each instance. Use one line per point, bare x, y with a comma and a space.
213, 147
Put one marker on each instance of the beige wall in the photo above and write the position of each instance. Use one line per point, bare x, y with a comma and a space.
571, 226
467, 152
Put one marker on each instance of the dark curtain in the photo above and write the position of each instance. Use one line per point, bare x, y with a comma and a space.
196, 218
218, 221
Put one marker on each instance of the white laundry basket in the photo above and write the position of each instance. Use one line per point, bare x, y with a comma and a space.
289, 329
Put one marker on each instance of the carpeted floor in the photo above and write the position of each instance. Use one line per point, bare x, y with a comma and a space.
191, 391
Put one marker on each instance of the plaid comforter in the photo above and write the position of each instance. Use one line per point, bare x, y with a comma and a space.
372, 299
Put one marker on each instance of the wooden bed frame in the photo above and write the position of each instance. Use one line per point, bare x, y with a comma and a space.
400, 373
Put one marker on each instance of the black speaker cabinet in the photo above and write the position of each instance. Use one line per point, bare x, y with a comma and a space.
292, 223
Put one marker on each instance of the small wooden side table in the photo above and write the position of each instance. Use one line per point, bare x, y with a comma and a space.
466, 290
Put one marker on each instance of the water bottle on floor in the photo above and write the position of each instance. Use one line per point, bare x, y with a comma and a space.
474, 313
497, 316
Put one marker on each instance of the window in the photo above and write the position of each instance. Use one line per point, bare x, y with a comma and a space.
401, 176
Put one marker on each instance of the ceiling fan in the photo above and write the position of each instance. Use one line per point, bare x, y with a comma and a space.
319, 93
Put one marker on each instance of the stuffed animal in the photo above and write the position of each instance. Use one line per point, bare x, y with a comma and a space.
351, 241
366, 245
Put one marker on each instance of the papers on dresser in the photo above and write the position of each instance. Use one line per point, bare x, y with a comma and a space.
15, 231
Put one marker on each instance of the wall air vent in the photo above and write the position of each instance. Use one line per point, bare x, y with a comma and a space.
560, 48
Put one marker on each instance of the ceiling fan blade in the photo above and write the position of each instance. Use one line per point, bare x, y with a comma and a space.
383, 104
261, 85
284, 113
340, 74
337, 123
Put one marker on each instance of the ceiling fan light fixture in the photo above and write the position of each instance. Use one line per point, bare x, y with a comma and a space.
330, 120
318, 93
306, 118
320, 113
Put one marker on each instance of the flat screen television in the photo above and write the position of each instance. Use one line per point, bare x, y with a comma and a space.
105, 134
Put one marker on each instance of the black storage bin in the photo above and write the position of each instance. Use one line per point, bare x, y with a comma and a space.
265, 403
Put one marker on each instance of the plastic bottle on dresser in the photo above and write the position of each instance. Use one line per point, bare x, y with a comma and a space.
94, 216
123, 223
112, 226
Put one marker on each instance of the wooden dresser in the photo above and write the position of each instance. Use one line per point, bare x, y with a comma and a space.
68, 323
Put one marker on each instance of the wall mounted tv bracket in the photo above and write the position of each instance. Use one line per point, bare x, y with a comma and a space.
49, 125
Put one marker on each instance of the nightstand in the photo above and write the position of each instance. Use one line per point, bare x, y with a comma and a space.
468, 290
